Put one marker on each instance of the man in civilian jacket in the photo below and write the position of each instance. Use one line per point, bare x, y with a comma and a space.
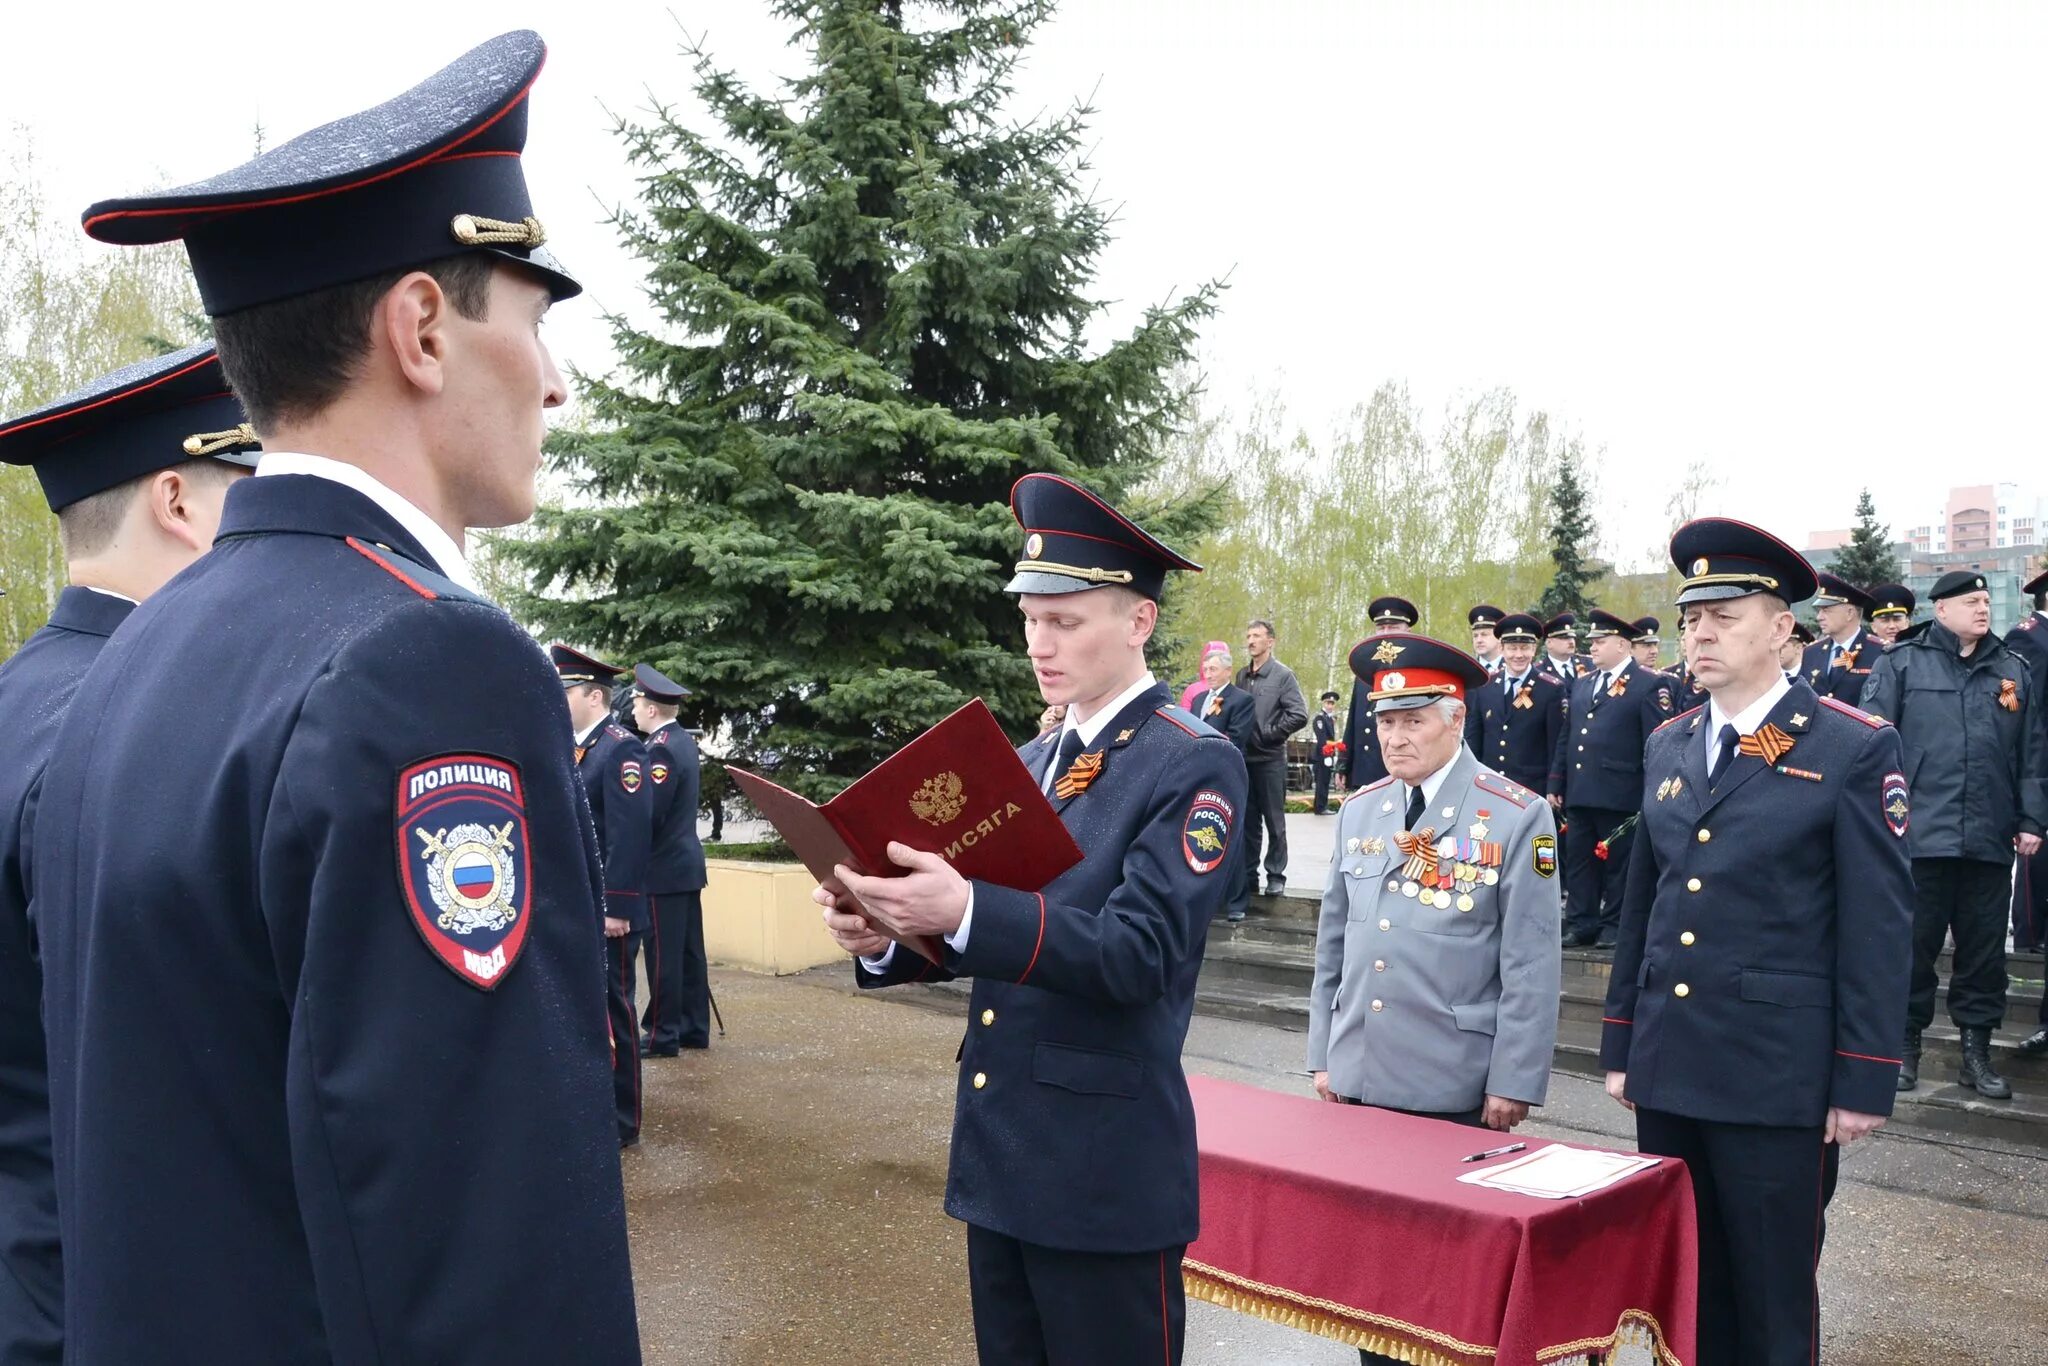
1280, 711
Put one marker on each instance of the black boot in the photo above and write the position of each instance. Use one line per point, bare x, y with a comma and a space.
1977, 1070
1909, 1061
2035, 1043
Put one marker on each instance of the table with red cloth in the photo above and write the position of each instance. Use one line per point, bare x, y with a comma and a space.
1351, 1222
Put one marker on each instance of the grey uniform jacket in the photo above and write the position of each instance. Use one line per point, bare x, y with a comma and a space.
1429, 1007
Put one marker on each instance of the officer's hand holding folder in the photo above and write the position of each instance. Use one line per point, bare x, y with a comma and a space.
958, 790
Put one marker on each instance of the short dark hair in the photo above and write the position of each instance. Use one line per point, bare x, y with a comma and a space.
88, 526
1266, 625
293, 358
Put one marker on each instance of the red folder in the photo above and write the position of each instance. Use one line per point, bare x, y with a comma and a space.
958, 790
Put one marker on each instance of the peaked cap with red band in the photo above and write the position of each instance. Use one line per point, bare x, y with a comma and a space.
135, 421
1402, 670
428, 174
1073, 541
576, 667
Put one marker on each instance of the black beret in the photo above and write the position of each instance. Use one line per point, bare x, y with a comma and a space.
1957, 582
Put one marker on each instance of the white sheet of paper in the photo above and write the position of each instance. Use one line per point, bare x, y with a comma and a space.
1560, 1172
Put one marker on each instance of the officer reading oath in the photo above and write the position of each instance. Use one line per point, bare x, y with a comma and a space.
1082, 992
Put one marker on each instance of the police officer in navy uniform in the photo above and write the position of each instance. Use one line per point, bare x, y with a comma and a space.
678, 1013
1361, 740
1837, 663
1891, 610
135, 466
1759, 990
612, 766
1648, 646
1597, 775
1513, 724
1082, 993
1323, 727
326, 1034
1971, 727
1485, 619
1561, 648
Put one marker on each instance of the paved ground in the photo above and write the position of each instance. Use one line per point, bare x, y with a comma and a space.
785, 1201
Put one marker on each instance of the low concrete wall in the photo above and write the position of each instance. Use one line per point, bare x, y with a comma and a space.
760, 917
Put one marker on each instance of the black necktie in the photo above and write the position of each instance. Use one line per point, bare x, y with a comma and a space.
1729, 743
1414, 807
1070, 748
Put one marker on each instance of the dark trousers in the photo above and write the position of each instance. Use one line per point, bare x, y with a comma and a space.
618, 975
1592, 885
1966, 897
1323, 775
1761, 1195
1037, 1304
2030, 902
1266, 806
678, 1013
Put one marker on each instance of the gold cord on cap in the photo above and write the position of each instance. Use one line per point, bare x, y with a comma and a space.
472, 231
1091, 575
209, 443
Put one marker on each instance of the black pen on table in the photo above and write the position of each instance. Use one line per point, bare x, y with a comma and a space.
1495, 1152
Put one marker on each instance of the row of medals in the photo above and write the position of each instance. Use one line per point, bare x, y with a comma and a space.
1460, 866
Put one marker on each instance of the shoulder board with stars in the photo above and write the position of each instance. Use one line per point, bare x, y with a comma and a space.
1874, 722
1503, 787
1692, 711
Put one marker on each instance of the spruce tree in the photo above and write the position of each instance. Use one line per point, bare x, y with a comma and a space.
872, 294
1867, 560
1571, 533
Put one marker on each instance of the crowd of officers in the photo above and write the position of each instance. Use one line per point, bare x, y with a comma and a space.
1572, 725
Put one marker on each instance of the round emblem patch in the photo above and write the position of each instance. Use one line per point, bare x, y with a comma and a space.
1699, 566
463, 862
1034, 546
1205, 835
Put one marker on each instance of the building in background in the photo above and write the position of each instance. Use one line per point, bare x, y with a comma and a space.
1982, 517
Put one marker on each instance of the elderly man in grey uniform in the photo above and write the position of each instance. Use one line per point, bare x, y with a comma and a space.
1436, 977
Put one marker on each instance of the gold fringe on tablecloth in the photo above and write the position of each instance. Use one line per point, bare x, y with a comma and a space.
1406, 1342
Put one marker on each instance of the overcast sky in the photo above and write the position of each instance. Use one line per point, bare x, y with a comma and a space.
1799, 241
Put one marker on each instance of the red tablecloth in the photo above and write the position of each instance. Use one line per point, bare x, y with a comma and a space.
1350, 1222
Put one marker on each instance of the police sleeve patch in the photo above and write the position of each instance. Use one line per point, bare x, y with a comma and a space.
464, 862
1543, 855
1897, 811
658, 771
1205, 834
629, 776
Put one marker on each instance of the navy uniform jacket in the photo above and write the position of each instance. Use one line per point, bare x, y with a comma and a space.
1236, 721
1598, 762
1362, 741
675, 862
1546, 662
1520, 742
1686, 692
613, 767
1766, 927
292, 1125
36, 687
1073, 1127
1846, 683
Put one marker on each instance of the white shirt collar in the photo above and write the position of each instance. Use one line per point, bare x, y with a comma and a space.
110, 593
1434, 783
1751, 716
583, 737
447, 556
1095, 724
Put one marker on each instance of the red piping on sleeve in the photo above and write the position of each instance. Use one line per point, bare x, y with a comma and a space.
393, 570
1041, 940
1865, 1057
